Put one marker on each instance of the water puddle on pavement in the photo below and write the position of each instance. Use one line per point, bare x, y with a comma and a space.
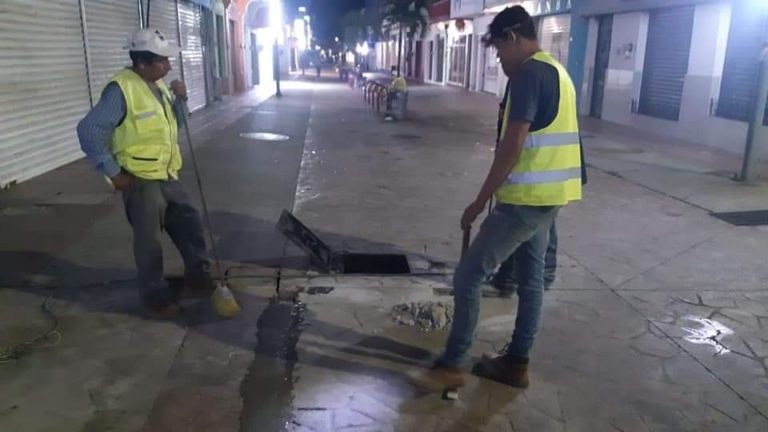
267, 389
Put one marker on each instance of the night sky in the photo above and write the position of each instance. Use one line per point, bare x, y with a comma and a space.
325, 15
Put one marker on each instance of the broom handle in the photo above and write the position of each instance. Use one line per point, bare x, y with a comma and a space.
465, 241
206, 216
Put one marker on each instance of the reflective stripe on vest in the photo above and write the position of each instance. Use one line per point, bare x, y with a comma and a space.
551, 140
146, 142
545, 176
548, 171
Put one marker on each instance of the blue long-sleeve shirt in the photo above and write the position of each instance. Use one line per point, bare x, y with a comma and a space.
96, 129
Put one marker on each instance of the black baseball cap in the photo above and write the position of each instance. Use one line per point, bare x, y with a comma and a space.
511, 19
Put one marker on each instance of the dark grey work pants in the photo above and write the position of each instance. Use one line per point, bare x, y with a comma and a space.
153, 207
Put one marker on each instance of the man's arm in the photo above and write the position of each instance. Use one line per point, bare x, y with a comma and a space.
96, 129
523, 99
179, 91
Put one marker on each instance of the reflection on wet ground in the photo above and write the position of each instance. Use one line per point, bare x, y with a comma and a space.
267, 389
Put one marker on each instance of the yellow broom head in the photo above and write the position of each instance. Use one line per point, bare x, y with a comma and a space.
224, 302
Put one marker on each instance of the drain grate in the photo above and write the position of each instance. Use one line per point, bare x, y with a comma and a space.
745, 218
264, 136
339, 261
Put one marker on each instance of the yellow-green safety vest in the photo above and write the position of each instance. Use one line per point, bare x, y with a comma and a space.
146, 143
548, 172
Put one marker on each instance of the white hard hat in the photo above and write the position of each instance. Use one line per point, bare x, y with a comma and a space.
154, 41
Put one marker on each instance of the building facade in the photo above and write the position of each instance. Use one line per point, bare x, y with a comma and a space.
55, 71
435, 46
687, 69
684, 69
553, 22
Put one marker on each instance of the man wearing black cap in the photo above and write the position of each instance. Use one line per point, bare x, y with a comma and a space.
536, 171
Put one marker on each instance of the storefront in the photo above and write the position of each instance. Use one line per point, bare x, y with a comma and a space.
460, 40
436, 53
78, 47
553, 23
687, 71
555, 35
465, 55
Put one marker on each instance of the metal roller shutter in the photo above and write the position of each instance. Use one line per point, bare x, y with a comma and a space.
555, 36
43, 86
191, 22
109, 23
749, 28
164, 16
666, 62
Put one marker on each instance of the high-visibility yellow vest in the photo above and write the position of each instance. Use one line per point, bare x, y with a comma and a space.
548, 172
146, 143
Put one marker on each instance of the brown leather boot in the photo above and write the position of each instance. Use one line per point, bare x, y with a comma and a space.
505, 370
439, 378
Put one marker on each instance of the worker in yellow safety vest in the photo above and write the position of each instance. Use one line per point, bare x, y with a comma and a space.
536, 171
130, 136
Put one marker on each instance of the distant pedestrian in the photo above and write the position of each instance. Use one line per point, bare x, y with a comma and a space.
131, 137
536, 170
318, 68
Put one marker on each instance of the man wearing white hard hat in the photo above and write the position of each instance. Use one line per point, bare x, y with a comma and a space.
131, 137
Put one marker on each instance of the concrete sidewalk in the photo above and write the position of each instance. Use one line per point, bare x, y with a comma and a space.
693, 174
656, 322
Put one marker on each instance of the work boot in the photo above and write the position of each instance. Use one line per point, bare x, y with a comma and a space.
504, 369
439, 378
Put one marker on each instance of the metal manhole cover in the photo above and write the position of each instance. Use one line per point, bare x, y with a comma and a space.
745, 218
264, 136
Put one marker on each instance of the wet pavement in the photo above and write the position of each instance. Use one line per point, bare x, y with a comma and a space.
656, 321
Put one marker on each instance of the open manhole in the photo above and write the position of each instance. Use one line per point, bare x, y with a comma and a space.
264, 136
745, 218
356, 263
328, 260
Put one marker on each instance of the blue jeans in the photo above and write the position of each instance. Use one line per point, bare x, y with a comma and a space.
509, 228
506, 277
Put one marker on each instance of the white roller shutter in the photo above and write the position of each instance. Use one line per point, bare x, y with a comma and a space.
43, 86
191, 21
109, 23
163, 16
555, 36
666, 62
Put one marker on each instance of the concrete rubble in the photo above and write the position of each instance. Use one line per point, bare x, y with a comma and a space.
427, 315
